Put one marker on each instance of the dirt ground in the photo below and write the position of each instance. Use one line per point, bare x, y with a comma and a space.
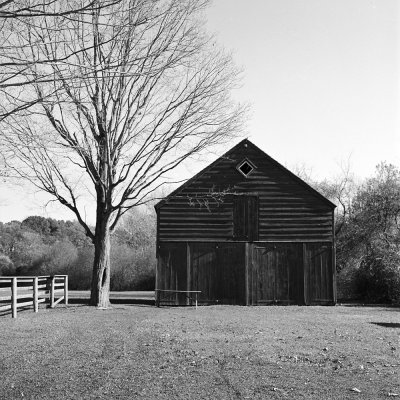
217, 352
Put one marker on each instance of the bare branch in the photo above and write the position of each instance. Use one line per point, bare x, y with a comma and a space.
111, 101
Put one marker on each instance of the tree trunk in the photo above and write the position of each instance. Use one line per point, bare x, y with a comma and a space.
100, 294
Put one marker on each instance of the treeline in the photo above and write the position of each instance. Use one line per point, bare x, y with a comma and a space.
367, 235
45, 246
367, 242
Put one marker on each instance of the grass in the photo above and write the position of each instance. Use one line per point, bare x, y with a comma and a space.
218, 352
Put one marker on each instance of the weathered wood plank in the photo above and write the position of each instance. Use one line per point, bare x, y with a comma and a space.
318, 272
288, 221
25, 304
59, 300
25, 296
281, 198
14, 289
217, 270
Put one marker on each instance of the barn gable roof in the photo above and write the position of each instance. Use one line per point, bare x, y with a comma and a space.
270, 159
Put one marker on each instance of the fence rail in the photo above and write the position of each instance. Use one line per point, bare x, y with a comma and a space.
38, 289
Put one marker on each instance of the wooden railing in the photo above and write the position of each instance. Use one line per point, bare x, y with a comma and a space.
32, 290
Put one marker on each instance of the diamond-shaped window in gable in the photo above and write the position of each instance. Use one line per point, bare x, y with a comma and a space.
245, 167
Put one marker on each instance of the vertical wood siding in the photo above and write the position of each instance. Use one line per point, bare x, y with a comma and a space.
275, 273
217, 270
172, 271
318, 273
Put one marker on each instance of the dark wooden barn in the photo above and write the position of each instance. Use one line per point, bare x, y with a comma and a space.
247, 231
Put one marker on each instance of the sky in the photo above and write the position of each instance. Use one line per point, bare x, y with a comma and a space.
322, 78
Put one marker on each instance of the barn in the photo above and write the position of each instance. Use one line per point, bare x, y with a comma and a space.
246, 231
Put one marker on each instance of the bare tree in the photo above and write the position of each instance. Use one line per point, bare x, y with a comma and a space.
13, 15
341, 190
11, 9
120, 97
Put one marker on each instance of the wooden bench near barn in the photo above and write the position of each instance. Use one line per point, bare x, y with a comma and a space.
191, 295
33, 290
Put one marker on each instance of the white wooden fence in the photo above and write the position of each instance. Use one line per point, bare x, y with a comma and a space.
33, 290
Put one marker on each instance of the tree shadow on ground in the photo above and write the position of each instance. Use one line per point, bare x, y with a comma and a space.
387, 324
387, 307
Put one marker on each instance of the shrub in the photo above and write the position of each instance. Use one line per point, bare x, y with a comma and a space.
378, 277
132, 269
80, 271
6, 266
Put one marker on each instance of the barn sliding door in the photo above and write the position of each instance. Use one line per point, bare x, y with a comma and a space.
171, 266
218, 271
318, 273
275, 274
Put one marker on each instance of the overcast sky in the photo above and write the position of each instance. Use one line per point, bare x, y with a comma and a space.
322, 77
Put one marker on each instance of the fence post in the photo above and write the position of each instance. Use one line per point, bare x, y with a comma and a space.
52, 279
14, 297
66, 289
35, 295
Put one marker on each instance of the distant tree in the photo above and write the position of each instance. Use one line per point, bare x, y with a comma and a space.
6, 265
137, 229
371, 238
37, 224
130, 92
377, 206
59, 258
75, 233
80, 272
133, 253
10, 236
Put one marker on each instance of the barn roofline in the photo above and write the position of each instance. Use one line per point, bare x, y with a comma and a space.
248, 142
